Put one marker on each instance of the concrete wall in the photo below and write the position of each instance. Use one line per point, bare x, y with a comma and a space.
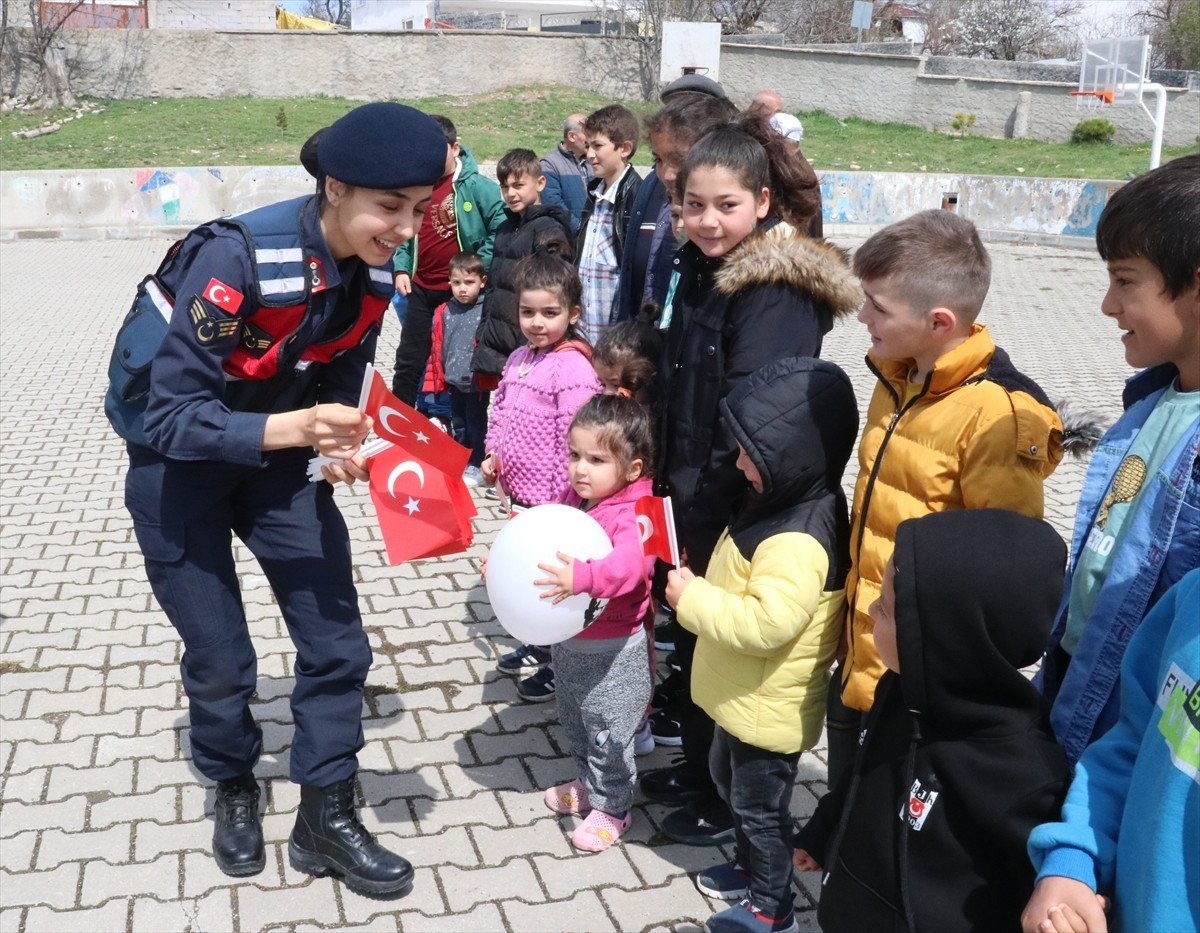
131, 202
233, 15
899, 88
357, 65
365, 65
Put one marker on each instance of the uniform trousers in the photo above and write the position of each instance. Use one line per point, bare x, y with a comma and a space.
185, 514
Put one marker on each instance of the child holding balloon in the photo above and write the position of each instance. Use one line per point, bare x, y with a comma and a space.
603, 673
542, 386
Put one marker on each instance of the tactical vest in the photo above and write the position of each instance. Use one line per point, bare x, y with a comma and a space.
278, 300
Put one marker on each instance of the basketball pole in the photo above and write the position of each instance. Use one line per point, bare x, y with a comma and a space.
1159, 118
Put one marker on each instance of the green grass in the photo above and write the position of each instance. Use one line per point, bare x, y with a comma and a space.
247, 131
854, 144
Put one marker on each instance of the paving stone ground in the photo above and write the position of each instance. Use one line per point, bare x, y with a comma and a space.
104, 824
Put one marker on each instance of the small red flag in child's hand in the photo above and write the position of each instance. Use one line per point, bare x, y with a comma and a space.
422, 511
656, 525
408, 428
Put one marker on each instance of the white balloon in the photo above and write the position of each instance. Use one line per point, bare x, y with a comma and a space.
535, 537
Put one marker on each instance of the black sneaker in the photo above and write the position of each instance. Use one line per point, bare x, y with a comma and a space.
700, 823
525, 658
539, 688
665, 728
668, 690
673, 663
673, 786
664, 636
727, 882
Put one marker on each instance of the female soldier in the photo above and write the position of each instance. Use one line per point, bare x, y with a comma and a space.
244, 352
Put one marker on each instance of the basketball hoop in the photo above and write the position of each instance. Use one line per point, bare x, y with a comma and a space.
1112, 73
1101, 97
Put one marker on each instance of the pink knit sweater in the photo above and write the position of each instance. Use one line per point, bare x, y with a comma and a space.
539, 393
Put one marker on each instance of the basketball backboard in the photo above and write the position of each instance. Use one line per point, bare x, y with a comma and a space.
1113, 71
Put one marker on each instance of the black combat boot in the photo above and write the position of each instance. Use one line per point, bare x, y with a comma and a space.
238, 835
329, 839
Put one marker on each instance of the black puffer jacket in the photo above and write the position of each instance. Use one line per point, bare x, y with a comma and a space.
957, 763
773, 296
499, 331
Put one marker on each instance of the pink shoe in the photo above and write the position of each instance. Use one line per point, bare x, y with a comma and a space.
599, 831
571, 797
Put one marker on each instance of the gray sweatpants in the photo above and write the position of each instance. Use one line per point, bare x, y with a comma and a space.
602, 687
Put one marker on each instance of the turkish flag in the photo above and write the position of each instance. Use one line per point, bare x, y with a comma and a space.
408, 428
656, 525
422, 511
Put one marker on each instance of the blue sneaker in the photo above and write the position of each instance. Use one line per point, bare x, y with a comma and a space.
744, 917
728, 882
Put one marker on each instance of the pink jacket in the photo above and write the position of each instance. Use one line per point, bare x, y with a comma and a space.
532, 409
623, 577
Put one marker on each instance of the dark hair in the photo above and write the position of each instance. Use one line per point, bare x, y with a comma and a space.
623, 427
633, 349
467, 263
518, 162
448, 128
690, 116
1157, 216
617, 123
933, 258
542, 270
760, 158
555, 242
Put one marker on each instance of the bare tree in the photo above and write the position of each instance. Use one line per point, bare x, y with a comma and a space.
642, 22
45, 48
1174, 30
816, 21
332, 11
1011, 29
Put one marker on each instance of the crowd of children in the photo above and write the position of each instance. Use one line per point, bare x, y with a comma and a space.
666, 340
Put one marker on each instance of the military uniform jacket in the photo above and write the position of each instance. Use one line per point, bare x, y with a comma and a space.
259, 318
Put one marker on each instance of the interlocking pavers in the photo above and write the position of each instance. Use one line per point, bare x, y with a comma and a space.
454, 763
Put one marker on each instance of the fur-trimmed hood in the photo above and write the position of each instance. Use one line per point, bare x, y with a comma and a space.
779, 254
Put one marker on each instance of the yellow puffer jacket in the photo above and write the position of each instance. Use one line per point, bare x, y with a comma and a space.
979, 436
767, 635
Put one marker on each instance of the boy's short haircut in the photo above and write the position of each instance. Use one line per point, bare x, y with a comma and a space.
615, 122
448, 128
1157, 216
467, 263
517, 162
933, 259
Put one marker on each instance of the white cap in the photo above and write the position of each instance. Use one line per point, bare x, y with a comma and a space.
788, 126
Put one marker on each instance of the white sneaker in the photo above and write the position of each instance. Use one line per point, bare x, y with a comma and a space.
473, 476
643, 741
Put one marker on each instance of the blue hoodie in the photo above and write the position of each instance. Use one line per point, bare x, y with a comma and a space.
1131, 821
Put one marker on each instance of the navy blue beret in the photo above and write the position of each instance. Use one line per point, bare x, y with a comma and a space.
383, 145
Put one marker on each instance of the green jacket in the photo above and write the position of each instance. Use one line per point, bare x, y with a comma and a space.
478, 213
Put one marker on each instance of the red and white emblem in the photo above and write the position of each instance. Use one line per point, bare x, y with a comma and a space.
224, 297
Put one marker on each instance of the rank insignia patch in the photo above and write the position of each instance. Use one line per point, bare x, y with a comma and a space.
255, 340
209, 327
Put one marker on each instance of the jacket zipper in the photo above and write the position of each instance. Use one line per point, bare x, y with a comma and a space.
896, 415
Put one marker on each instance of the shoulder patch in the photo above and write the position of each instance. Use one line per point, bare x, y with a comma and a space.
223, 296
210, 325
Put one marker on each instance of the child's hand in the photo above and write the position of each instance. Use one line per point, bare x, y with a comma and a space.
346, 471
1064, 905
403, 283
804, 862
483, 567
488, 469
677, 581
559, 579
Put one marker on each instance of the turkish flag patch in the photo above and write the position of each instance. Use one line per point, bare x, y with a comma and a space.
221, 295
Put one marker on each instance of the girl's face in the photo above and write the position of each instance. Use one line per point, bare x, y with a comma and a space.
609, 376
370, 223
545, 317
718, 212
594, 470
